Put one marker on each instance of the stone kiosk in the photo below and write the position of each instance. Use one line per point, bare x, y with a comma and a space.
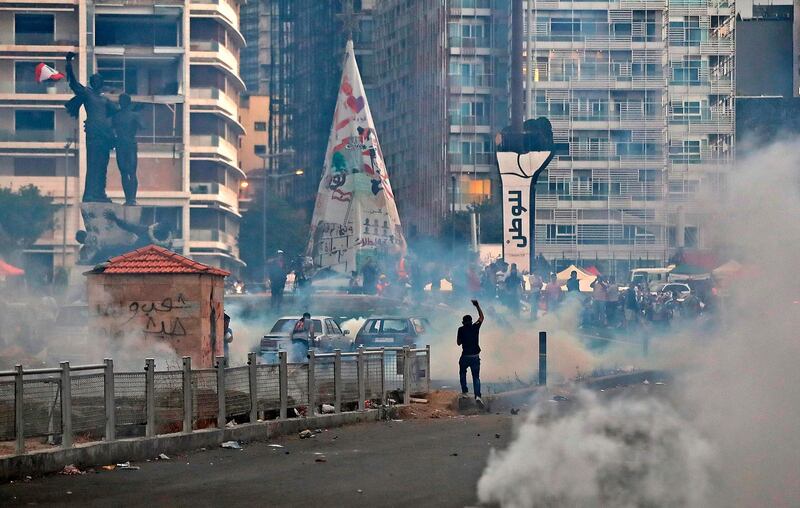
153, 295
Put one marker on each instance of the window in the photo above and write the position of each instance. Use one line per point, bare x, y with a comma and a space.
686, 72
686, 110
687, 150
685, 31
34, 125
24, 81
34, 29
395, 326
260, 126
34, 166
560, 232
565, 26
637, 233
649, 175
260, 149
333, 327
171, 215
690, 236
137, 30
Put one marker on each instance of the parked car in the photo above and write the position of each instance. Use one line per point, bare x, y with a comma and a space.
379, 332
327, 336
682, 290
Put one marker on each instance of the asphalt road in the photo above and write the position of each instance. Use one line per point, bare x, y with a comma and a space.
434, 462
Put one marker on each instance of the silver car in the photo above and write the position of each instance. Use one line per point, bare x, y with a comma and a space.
327, 336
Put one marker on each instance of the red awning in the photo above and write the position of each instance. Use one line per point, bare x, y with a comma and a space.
7, 270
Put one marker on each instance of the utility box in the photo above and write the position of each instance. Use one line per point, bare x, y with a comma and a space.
153, 298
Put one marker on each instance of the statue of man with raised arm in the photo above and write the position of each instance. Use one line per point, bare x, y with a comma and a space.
99, 131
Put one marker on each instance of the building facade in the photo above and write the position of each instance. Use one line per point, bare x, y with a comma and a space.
643, 93
179, 62
254, 116
442, 97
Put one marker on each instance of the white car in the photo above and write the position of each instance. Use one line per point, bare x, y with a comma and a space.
683, 290
327, 337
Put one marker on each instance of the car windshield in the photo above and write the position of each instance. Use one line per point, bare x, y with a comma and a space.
287, 325
395, 325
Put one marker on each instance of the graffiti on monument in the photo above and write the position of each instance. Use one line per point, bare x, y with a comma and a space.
161, 318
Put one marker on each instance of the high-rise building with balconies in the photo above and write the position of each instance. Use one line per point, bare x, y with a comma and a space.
442, 96
642, 92
178, 60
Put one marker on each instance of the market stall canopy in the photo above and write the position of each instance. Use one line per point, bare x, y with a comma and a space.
584, 279
685, 271
730, 269
592, 270
7, 270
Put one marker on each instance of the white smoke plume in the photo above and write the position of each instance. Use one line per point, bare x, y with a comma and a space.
737, 443
621, 453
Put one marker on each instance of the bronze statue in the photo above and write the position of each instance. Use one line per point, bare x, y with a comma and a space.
126, 124
99, 132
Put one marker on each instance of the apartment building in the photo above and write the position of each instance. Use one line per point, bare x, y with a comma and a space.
643, 93
188, 163
441, 98
37, 136
254, 116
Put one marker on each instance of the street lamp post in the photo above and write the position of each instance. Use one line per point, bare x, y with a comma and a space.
69, 144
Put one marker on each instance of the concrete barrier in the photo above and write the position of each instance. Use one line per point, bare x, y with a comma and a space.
137, 449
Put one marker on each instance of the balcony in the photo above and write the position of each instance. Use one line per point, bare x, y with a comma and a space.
39, 137
215, 53
221, 10
215, 148
205, 98
213, 239
471, 158
214, 191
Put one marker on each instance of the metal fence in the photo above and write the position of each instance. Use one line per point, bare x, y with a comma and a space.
93, 401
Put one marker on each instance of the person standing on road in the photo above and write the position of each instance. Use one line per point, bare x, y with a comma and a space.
228, 339
470, 353
277, 279
573, 284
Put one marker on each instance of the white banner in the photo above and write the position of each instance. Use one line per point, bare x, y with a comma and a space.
355, 216
516, 176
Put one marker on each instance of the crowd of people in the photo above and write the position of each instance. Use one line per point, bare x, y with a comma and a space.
605, 303
608, 304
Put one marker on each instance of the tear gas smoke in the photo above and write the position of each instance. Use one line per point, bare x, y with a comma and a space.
622, 453
728, 435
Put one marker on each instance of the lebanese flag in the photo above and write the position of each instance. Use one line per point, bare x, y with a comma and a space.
47, 73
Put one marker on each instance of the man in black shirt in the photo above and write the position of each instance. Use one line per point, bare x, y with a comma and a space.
470, 353
573, 284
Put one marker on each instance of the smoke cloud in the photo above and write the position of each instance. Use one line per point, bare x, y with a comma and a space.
726, 436
623, 453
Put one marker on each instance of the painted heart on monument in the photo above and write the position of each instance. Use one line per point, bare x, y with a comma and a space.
355, 103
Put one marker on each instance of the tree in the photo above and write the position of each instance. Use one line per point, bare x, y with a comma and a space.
287, 230
24, 216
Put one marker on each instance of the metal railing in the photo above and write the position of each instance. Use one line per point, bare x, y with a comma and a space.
95, 402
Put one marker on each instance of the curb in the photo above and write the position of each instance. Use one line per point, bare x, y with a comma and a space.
140, 448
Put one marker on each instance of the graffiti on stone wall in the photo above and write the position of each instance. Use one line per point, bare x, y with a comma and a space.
159, 317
